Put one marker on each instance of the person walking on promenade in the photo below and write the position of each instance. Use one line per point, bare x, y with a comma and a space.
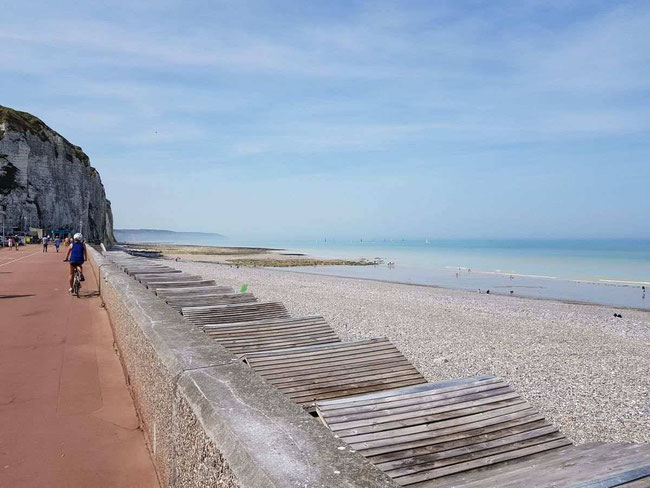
76, 256
45, 240
10, 242
16, 241
57, 242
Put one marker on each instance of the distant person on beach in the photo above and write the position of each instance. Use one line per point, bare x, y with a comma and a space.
44, 241
57, 242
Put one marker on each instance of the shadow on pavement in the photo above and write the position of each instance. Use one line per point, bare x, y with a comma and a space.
91, 294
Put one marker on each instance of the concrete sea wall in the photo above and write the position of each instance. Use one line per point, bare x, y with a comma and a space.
209, 419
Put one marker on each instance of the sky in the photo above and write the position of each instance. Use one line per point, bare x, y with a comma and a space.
302, 119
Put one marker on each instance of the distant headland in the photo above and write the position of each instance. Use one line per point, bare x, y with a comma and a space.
171, 232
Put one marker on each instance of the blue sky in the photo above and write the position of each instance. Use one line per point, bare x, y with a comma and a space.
278, 119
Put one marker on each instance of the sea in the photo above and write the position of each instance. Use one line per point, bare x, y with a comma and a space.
600, 271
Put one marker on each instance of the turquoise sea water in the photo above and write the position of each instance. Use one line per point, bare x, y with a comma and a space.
606, 271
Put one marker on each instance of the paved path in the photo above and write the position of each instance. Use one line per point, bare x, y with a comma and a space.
66, 417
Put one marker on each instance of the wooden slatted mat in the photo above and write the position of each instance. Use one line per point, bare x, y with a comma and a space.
595, 465
150, 270
225, 314
192, 291
212, 299
149, 278
262, 335
154, 285
309, 374
427, 432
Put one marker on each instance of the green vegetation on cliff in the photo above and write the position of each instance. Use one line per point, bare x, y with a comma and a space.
25, 122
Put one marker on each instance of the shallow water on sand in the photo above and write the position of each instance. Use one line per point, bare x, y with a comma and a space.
615, 294
605, 271
610, 272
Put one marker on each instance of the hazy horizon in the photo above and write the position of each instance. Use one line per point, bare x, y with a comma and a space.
412, 238
287, 119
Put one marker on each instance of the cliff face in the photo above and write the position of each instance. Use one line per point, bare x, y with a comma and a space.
47, 182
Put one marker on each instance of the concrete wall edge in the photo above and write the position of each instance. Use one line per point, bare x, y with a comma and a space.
225, 425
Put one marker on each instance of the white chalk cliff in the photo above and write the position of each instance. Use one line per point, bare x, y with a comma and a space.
48, 182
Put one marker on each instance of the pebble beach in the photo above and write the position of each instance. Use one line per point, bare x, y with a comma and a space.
585, 370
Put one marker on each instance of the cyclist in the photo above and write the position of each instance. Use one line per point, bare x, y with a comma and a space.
77, 256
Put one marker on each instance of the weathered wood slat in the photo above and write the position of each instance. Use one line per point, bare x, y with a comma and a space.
304, 341
360, 388
316, 371
142, 271
458, 413
281, 323
407, 453
420, 408
451, 423
394, 395
421, 459
469, 462
154, 285
414, 402
355, 350
223, 314
202, 300
204, 295
147, 278
191, 291
429, 431
392, 448
250, 336
395, 441
306, 375
595, 465
275, 336
513, 470
638, 483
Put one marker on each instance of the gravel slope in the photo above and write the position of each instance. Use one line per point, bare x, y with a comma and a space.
586, 371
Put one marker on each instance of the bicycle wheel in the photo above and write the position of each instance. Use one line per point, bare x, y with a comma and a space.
76, 285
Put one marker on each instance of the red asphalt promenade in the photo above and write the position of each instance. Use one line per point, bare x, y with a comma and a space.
66, 416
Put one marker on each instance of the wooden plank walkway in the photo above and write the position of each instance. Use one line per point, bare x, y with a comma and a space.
192, 291
310, 374
272, 334
136, 271
595, 465
456, 433
226, 314
212, 299
154, 285
147, 278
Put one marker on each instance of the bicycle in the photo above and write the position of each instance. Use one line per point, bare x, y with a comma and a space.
76, 281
